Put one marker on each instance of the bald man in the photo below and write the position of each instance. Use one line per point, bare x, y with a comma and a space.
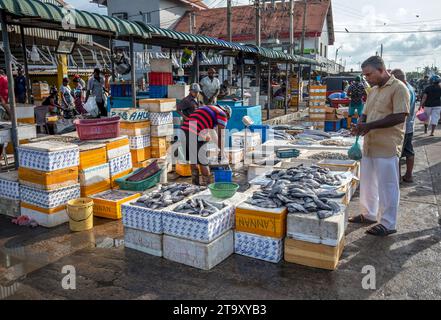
210, 88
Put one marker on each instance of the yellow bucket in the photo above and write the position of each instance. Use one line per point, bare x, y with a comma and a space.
80, 212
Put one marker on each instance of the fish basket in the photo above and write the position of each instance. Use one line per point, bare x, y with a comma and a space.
93, 129
287, 153
223, 190
139, 185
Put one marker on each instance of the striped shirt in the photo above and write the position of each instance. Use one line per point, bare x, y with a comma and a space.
206, 117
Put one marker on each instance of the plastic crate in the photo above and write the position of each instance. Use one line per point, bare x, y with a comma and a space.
223, 176
230, 103
121, 89
287, 153
139, 185
160, 78
93, 129
262, 129
158, 91
332, 126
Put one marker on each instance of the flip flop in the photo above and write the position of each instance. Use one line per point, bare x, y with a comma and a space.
361, 220
380, 231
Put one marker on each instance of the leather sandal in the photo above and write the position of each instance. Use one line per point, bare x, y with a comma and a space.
361, 220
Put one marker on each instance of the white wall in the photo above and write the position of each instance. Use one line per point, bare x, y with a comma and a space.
170, 16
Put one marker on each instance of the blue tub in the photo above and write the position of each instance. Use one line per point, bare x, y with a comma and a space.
230, 103
223, 176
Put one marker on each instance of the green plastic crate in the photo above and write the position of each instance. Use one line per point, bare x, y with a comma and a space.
287, 153
139, 185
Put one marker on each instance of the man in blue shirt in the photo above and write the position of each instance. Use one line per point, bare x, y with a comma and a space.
20, 87
408, 151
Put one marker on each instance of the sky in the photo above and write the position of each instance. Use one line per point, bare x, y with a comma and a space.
408, 51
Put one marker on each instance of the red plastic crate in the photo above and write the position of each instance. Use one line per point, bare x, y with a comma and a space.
93, 129
160, 78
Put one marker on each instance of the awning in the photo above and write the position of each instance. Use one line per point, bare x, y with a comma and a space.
68, 19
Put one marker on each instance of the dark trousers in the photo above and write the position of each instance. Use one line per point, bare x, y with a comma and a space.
103, 110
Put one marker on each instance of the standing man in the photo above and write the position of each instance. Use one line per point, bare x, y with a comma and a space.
190, 103
382, 125
20, 86
356, 92
408, 151
210, 87
95, 87
431, 103
4, 95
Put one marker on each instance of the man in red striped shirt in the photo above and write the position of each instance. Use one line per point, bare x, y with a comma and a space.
197, 128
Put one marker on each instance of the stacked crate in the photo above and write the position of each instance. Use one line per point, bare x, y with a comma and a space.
119, 157
317, 106
108, 204
161, 123
139, 139
260, 232
296, 89
94, 170
160, 77
40, 90
121, 89
9, 194
48, 176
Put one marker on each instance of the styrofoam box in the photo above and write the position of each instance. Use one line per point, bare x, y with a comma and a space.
94, 175
158, 105
202, 229
140, 142
309, 228
120, 164
24, 111
9, 207
161, 65
26, 131
46, 220
48, 155
115, 152
141, 218
159, 118
253, 139
49, 199
178, 91
258, 247
9, 185
143, 241
162, 130
203, 256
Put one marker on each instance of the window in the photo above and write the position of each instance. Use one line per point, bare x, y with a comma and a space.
148, 17
120, 15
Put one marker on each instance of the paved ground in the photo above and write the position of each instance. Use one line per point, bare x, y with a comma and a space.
408, 265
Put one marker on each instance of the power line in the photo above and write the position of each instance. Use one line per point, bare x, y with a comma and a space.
385, 32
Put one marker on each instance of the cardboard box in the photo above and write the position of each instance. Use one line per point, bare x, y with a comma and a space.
313, 255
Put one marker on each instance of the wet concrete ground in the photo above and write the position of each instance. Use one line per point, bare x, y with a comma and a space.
408, 265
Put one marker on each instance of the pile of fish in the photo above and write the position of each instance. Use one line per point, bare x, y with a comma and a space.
329, 155
299, 190
167, 195
200, 207
336, 142
281, 135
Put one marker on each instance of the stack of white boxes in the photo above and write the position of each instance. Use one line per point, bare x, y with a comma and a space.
48, 176
9, 194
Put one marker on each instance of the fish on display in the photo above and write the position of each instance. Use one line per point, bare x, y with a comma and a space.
329, 155
299, 190
200, 207
166, 195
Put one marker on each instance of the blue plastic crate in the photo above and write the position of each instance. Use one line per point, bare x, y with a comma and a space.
223, 176
116, 90
230, 103
158, 91
262, 129
332, 126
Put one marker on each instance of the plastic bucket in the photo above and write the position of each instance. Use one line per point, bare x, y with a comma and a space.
80, 212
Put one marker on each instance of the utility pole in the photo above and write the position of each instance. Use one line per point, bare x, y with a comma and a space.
302, 49
229, 14
291, 27
258, 23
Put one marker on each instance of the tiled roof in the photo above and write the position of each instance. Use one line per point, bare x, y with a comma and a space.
275, 23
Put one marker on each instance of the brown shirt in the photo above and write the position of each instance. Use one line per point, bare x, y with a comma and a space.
392, 98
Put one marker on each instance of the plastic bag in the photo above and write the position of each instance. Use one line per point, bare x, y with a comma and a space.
355, 152
91, 107
422, 115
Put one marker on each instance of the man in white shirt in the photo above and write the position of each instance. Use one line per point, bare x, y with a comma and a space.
210, 87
